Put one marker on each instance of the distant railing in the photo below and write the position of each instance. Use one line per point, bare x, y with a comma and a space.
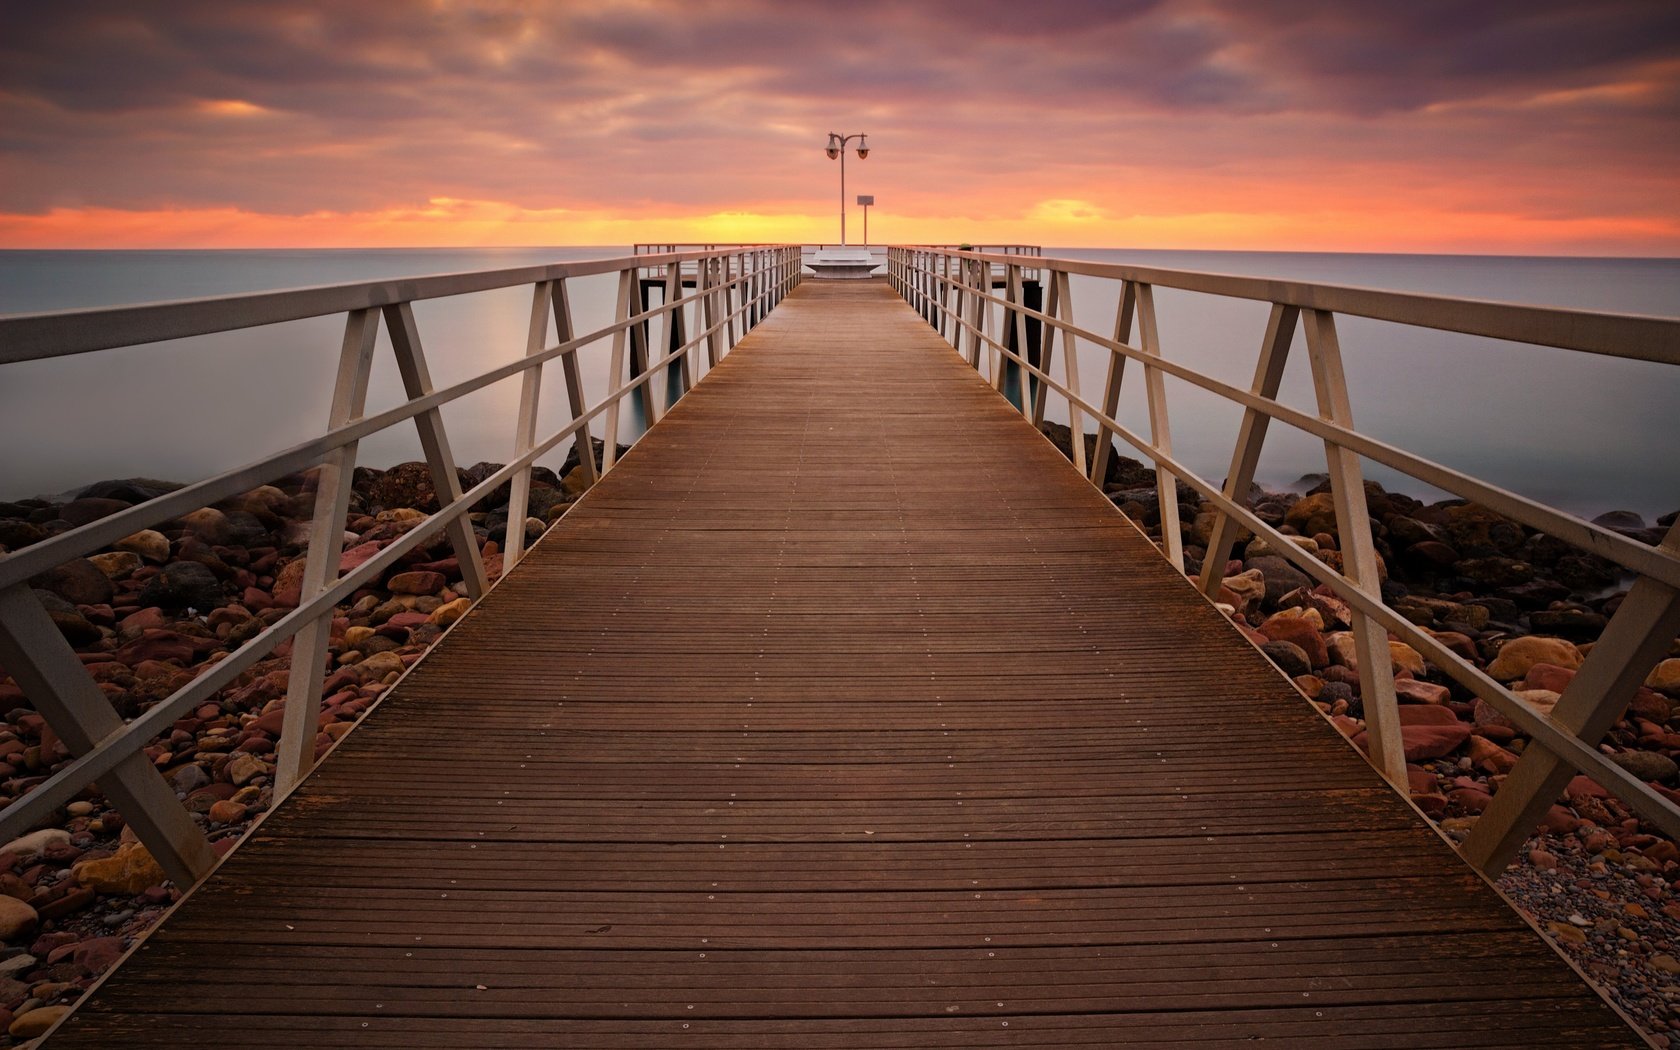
954, 292
734, 287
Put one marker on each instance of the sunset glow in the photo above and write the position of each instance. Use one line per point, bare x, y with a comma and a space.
1532, 128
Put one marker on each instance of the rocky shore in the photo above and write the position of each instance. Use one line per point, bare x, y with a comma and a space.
1524, 607
161, 604
145, 616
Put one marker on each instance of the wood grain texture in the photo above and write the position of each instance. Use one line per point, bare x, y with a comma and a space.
844, 713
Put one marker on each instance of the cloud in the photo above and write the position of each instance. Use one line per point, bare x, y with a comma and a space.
704, 107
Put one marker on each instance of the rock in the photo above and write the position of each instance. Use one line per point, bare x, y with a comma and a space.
1432, 554
1405, 658
405, 485
1495, 571
128, 871
183, 585
1647, 765
15, 534
1576, 623
1426, 715
209, 525
244, 768
1619, 519
78, 581
148, 543
1542, 700
1547, 676
96, 955
1489, 756
379, 665
83, 511
1470, 526
10, 968
1410, 690
1516, 656
416, 583
1249, 588
1298, 632
1566, 934
116, 565
446, 614
1280, 576
1665, 677
36, 1022
1424, 742
17, 919
189, 778
1665, 964
129, 490
36, 842
1315, 513
1288, 657
226, 812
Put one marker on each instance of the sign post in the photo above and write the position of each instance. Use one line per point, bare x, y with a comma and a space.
866, 199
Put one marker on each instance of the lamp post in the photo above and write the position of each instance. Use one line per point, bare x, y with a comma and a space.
836, 150
864, 201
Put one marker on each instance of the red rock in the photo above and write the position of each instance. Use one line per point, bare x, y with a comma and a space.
1433, 805
1547, 676
1412, 691
1348, 726
270, 722
406, 620
1423, 742
358, 555
1421, 781
1471, 800
1542, 859
1584, 787
151, 617
1560, 820
416, 583
1300, 632
1427, 715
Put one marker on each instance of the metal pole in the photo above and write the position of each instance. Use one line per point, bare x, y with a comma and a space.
866, 225
842, 193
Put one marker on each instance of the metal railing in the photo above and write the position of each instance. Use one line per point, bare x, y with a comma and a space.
954, 291
733, 289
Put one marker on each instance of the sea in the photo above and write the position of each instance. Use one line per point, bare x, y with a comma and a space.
1582, 432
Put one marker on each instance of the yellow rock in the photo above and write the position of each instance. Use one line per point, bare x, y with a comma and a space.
148, 543
446, 614
1406, 658
36, 1022
380, 664
355, 636
116, 564
17, 919
130, 870
1520, 654
401, 515
1665, 676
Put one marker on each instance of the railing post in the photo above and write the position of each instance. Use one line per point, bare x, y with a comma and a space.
434, 441
1060, 307
1251, 434
564, 332
312, 644
676, 334
1359, 556
1012, 332
1635, 639
707, 286
51, 675
525, 424
1160, 433
1123, 314
615, 367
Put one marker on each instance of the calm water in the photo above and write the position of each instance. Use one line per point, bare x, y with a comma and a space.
1584, 432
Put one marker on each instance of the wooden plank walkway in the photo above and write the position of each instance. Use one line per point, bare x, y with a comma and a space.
844, 714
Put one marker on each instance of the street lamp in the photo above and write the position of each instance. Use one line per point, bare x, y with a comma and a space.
836, 150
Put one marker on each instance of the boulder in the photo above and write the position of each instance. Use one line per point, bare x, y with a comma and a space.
1310, 514
208, 524
1647, 765
116, 565
150, 544
1288, 657
128, 871
1424, 742
17, 919
1412, 691
78, 581
1299, 632
1472, 528
1281, 577
183, 585
1516, 656
1665, 677
405, 485
416, 583
81, 511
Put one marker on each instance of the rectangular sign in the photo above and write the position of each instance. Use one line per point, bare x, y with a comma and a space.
866, 198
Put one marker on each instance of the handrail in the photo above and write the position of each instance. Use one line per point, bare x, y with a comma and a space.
734, 288
1638, 635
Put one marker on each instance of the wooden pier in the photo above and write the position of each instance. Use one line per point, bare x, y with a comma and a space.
842, 713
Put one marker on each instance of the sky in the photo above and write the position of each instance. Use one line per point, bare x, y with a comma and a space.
1476, 126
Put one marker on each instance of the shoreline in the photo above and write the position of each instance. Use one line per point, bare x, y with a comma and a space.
146, 614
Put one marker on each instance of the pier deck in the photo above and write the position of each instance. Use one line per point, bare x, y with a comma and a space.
844, 713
